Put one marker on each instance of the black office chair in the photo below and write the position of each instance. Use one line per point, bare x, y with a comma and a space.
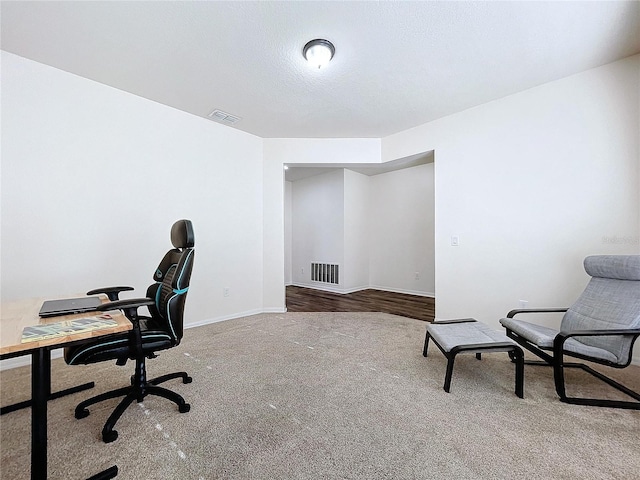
159, 331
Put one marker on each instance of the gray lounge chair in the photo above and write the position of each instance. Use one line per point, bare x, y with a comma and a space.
601, 327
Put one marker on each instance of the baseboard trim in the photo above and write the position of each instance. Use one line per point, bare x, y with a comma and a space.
324, 288
26, 359
209, 321
406, 292
233, 316
367, 287
16, 362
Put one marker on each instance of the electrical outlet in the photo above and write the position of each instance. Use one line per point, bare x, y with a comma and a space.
524, 303
417, 275
302, 270
225, 292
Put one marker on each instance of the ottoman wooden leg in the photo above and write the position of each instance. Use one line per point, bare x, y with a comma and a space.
447, 378
518, 359
426, 344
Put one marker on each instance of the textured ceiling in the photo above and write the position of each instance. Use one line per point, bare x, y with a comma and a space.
397, 64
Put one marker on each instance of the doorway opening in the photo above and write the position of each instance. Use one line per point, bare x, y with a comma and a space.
374, 223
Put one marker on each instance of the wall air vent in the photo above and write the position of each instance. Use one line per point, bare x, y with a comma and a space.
325, 273
223, 117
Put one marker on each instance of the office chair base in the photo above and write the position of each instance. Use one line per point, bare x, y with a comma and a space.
163, 378
137, 391
109, 434
107, 474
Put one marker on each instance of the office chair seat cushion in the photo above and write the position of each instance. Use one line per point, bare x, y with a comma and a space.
543, 338
117, 346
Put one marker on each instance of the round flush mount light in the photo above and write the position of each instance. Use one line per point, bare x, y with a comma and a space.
318, 52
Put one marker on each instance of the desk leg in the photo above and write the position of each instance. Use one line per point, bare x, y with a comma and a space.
40, 388
40, 394
50, 396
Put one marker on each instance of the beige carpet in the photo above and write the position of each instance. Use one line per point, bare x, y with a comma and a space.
328, 396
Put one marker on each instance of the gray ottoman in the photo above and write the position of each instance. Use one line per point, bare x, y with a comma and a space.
470, 336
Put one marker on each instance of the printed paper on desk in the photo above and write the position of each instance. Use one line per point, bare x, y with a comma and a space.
64, 328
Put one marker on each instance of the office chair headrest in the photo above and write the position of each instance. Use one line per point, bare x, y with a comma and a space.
182, 234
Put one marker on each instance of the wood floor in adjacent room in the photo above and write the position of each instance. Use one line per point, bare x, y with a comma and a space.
301, 299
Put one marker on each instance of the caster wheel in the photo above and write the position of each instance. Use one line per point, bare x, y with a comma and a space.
109, 436
184, 408
187, 380
81, 413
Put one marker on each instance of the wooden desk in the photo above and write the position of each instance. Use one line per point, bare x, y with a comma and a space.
14, 317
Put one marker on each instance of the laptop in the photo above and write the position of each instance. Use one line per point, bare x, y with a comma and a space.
68, 306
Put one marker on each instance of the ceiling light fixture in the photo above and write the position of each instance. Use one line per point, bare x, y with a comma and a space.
318, 52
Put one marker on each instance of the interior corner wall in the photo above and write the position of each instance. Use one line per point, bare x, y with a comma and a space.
276, 153
317, 222
401, 235
357, 217
532, 183
94, 177
288, 235
387, 224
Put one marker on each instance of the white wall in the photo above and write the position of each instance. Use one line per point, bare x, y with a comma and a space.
280, 151
387, 225
402, 231
317, 223
93, 178
288, 233
532, 183
357, 216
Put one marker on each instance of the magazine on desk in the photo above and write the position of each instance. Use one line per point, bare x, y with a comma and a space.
66, 327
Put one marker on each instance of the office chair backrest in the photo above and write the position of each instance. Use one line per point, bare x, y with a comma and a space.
172, 279
611, 300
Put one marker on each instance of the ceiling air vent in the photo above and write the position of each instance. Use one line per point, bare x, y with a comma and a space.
223, 117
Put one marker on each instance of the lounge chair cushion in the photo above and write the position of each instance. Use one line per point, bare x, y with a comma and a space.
610, 301
543, 338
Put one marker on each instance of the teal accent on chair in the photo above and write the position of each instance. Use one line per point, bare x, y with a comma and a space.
160, 330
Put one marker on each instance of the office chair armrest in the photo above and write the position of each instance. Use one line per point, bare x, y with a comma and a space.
130, 309
111, 292
129, 306
513, 313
